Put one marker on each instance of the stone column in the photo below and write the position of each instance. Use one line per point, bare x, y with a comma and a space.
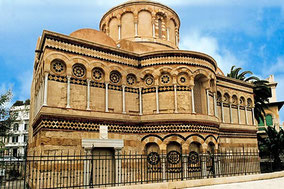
119, 32
176, 101
154, 32
118, 166
231, 118
253, 121
68, 91
208, 102
192, 100
239, 115
246, 114
215, 106
45, 89
88, 94
140, 102
107, 97
222, 111
123, 99
136, 28
157, 100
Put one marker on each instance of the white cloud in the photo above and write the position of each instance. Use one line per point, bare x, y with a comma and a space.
209, 45
276, 68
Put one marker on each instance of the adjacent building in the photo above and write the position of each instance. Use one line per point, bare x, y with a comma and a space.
17, 138
272, 112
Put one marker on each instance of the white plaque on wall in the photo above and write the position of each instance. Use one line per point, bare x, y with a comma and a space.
103, 132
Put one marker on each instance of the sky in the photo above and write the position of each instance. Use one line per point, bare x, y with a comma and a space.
245, 33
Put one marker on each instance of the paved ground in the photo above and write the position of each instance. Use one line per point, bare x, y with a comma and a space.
261, 184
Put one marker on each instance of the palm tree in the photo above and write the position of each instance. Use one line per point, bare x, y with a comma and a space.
242, 76
261, 90
272, 145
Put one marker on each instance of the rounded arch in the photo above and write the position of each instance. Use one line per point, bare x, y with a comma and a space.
151, 147
226, 98
242, 101
57, 55
211, 148
195, 137
195, 147
144, 23
219, 97
127, 25
249, 103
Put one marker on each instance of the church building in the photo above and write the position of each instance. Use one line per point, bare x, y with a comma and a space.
129, 88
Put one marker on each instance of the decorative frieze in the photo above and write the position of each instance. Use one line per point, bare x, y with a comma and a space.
89, 125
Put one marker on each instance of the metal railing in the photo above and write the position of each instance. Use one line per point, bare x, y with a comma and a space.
98, 169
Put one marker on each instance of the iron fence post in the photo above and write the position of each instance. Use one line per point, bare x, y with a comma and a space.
118, 166
203, 166
163, 160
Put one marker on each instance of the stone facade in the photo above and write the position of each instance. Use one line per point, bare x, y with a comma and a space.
130, 84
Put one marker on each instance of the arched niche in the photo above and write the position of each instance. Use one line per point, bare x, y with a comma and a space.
113, 26
152, 147
174, 146
172, 30
144, 23
127, 25
211, 148
195, 147
199, 93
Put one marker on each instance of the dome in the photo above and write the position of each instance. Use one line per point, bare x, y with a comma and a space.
94, 36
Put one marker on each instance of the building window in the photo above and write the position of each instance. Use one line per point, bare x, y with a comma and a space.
14, 139
16, 127
269, 120
26, 127
25, 138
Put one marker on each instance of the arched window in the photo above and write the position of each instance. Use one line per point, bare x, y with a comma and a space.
160, 28
269, 120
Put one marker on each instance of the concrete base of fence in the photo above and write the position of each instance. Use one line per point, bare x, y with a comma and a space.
203, 182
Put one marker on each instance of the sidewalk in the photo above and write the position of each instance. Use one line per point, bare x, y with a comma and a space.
260, 184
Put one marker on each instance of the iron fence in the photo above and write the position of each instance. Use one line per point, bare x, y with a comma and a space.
98, 169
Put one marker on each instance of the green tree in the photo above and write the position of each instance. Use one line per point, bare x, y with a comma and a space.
272, 145
6, 117
261, 90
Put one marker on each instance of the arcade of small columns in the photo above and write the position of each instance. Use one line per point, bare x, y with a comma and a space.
208, 84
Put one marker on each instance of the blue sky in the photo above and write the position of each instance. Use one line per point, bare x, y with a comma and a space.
245, 33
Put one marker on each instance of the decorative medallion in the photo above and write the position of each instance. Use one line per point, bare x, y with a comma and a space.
153, 158
97, 74
115, 77
173, 157
149, 80
131, 79
57, 66
193, 157
165, 79
78, 71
